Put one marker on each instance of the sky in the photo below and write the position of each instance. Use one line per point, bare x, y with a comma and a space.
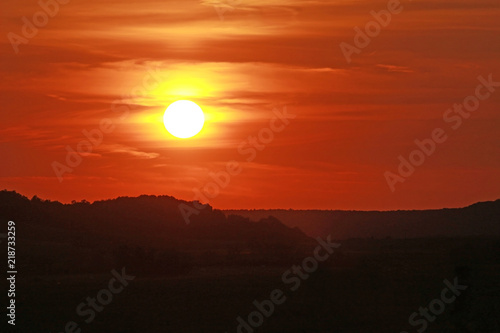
113, 67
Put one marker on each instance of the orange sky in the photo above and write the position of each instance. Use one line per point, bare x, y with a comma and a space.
352, 121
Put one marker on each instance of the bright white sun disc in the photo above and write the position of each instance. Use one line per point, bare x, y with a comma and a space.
183, 119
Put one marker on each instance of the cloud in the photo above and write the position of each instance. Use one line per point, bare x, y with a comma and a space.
131, 151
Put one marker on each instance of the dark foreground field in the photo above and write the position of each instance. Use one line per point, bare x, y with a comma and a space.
366, 286
134, 265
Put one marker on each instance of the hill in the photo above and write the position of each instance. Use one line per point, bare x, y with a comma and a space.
480, 219
146, 232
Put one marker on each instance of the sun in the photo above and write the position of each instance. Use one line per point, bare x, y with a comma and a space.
183, 119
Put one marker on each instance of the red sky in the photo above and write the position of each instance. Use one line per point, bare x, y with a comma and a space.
352, 121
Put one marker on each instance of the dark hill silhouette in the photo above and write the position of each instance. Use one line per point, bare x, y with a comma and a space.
145, 232
144, 215
480, 219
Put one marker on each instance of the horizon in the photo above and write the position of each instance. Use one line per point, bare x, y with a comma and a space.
29, 197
